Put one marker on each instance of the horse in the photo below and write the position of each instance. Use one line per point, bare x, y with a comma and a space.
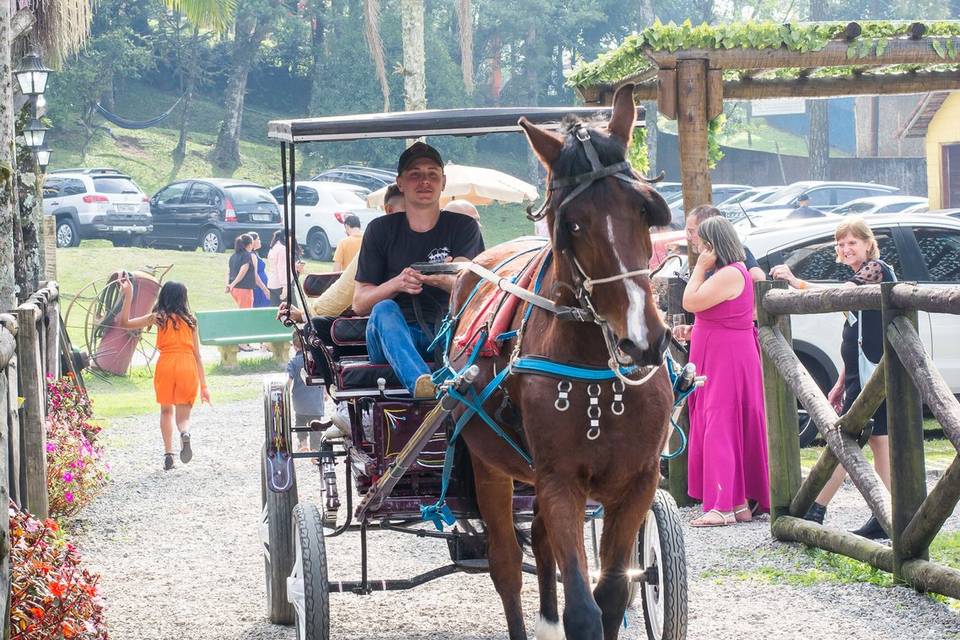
599, 212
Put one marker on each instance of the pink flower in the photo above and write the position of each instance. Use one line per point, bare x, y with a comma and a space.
68, 477
51, 447
68, 496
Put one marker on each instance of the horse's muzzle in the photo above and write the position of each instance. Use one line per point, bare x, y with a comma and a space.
652, 355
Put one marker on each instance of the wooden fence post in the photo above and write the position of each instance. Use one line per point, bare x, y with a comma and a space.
783, 441
52, 324
33, 412
677, 481
8, 350
908, 486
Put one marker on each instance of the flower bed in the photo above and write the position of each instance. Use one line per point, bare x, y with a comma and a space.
76, 468
51, 596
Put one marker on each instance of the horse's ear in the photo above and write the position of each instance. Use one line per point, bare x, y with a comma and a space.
545, 144
624, 114
658, 211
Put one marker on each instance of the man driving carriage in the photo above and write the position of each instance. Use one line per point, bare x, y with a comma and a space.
405, 305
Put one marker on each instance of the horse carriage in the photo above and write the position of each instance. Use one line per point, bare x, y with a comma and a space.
398, 464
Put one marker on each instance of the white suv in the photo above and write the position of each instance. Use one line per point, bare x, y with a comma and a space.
94, 204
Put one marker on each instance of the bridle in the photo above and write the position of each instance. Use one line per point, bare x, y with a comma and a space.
583, 284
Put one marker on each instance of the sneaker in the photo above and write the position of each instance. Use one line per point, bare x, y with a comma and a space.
186, 452
815, 513
871, 530
424, 388
167, 461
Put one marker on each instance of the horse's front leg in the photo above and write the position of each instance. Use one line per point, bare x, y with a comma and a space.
548, 626
621, 522
561, 507
495, 499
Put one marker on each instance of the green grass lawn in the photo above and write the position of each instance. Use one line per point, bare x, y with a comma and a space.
937, 453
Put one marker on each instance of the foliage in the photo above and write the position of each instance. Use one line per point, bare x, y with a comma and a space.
76, 468
629, 59
51, 595
637, 153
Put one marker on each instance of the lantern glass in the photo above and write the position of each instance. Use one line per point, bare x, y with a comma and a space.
34, 133
39, 82
43, 157
31, 75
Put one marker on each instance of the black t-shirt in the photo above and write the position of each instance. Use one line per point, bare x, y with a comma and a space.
870, 272
390, 246
804, 212
237, 260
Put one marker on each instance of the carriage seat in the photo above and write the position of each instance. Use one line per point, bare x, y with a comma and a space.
359, 373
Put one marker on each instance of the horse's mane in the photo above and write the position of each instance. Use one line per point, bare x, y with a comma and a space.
573, 160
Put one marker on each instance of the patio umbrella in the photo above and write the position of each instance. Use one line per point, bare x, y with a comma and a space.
479, 185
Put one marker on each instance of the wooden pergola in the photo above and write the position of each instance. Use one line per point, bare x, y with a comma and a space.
690, 85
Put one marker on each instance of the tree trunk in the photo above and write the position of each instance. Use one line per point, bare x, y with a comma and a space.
818, 135
653, 133
189, 71
414, 62
465, 19
249, 35
371, 24
8, 220
28, 267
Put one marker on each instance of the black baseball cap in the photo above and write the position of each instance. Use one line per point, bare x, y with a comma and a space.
416, 151
803, 196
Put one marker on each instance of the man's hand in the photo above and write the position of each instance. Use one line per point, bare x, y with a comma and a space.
408, 281
283, 311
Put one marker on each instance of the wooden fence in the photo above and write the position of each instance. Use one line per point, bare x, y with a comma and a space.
907, 378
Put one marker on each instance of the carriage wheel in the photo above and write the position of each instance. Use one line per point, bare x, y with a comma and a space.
276, 536
663, 558
307, 586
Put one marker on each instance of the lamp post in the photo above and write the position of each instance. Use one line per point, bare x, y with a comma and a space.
43, 158
32, 76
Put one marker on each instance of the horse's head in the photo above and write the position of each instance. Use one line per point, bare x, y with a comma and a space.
600, 213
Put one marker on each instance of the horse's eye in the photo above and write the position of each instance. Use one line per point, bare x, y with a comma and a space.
573, 227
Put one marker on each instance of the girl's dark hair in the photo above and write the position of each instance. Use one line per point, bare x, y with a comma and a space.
253, 235
277, 237
172, 305
240, 244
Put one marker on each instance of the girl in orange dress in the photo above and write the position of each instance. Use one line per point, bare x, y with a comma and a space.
179, 372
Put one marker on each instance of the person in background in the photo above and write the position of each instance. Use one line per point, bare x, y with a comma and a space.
464, 207
804, 210
861, 348
694, 219
728, 433
307, 400
242, 278
277, 268
393, 199
178, 375
349, 247
261, 296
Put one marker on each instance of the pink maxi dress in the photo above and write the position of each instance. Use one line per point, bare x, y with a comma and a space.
728, 431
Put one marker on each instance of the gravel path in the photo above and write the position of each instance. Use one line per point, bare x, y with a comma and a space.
180, 558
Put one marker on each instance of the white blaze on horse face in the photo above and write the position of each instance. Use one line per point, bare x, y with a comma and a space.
636, 324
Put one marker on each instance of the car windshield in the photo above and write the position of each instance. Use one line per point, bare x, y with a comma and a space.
249, 195
345, 197
856, 207
787, 194
113, 184
740, 197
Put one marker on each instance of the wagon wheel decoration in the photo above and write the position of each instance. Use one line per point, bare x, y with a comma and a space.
91, 316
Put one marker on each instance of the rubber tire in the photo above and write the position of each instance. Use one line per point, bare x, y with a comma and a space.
308, 527
278, 556
806, 428
70, 225
673, 570
318, 246
211, 233
121, 241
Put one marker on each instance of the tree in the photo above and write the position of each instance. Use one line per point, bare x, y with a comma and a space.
8, 283
371, 32
465, 20
414, 60
255, 20
818, 135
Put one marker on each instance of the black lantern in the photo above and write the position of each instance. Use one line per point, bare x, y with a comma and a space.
43, 157
34, 133
31, 75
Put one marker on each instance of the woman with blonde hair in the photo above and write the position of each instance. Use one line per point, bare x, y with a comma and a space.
727, 464
860, 350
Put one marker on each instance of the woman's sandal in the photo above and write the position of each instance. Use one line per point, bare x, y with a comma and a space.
743, 510
726, 519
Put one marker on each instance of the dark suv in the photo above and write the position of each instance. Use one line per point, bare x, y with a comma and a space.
370, 178
210, 213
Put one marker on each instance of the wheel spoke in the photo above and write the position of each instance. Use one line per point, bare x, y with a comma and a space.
653, 592
296, 592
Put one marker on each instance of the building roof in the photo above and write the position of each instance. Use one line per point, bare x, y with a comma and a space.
916, 125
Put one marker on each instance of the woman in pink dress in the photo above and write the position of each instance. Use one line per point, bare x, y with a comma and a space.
728, 433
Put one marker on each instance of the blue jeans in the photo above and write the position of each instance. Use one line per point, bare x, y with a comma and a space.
390, 340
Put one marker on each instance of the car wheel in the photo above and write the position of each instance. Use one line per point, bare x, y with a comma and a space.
121, 241
211, 241
318, 246
67, 235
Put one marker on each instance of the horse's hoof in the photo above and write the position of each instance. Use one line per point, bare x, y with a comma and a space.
547, 630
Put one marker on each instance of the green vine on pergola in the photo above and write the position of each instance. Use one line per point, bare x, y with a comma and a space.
865, 42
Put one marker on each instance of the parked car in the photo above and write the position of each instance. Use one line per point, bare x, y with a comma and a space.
94, 205
668, 190
210, 213
370, 178
753, 194
88, 170
720, 193
879, 204
321, 209
823, 195
924, 248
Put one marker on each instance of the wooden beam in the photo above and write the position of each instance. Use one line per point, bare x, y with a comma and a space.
677, 465
929, 518
806, 87
783, 445
802, 385
908, 478
819, 475
929, 299
714, 93
665, 93
33, 413
925, 576
782, 301
692, 132
834, 54
790, 529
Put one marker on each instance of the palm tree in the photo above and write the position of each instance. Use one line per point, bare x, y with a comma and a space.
371, 29
414, 59
215, 15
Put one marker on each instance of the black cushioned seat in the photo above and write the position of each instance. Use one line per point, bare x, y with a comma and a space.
360, 374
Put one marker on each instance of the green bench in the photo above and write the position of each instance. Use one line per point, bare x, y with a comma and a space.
230, 328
